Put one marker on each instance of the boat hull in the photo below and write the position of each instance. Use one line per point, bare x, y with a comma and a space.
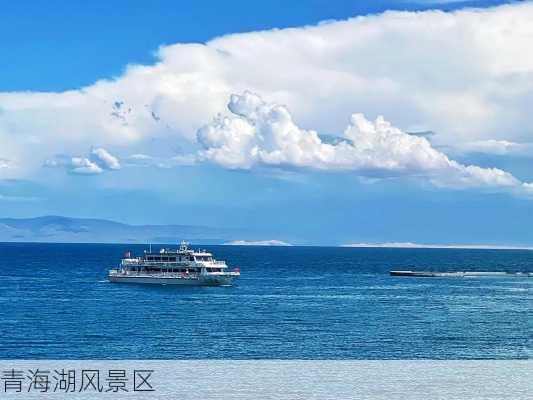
221, 280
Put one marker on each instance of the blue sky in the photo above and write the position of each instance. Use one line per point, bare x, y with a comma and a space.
151, 162
75, 43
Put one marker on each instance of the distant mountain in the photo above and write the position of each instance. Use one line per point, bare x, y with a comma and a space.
257, 243
81, 230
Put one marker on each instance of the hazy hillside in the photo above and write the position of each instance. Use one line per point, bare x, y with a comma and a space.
63, 229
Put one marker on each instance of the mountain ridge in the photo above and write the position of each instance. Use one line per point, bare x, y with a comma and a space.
61, 229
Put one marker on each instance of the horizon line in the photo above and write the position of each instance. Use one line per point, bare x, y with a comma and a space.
391, 245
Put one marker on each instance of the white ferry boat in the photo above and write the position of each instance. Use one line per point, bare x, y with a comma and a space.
174, 267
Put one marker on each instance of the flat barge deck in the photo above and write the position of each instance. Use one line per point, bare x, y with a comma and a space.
461, 274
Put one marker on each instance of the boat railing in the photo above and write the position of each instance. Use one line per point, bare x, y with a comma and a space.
182, 275
162, 263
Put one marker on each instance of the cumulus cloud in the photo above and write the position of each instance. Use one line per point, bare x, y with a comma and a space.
444, 71
261, 133
104, 159
74, 165
98, 161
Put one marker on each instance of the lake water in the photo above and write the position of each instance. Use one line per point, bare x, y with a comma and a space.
290, 303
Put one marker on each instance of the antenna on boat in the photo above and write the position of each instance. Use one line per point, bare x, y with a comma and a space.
150, 247
183, 245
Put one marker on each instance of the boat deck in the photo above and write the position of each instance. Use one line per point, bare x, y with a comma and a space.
461, 274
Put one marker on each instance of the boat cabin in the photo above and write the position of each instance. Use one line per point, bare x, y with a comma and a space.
183, 261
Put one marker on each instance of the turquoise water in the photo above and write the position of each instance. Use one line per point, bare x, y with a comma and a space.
290, 303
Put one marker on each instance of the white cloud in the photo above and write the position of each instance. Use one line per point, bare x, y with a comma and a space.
74, 165
97, 162
466, 74
104, 159
260, 133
